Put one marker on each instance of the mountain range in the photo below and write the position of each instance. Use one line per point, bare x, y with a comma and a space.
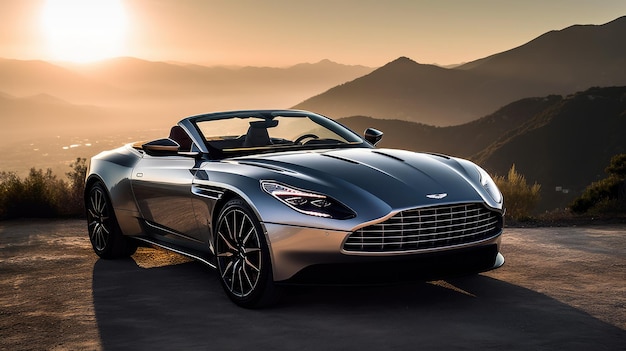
559, 142
133, 82
558, 62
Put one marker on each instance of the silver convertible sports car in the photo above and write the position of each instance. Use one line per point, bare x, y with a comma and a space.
279, 197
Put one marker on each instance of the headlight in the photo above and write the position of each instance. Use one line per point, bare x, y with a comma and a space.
489, 185
307, 202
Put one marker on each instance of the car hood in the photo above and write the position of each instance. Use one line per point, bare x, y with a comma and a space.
399, 178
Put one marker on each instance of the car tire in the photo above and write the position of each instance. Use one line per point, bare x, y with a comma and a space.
105, 234
242, 255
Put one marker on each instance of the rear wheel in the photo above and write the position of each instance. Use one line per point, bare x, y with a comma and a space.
104, 232
243, 259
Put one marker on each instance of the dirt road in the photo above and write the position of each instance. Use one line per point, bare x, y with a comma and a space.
561, 288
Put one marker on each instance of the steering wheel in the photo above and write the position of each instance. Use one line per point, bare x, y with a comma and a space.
305, 136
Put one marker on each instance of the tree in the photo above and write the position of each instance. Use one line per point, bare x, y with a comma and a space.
607, 195
76, 178
11, 190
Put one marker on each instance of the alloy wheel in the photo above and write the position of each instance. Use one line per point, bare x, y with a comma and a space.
98, 219
239, 252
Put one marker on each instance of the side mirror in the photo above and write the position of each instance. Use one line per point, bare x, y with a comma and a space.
161, 147
373, 136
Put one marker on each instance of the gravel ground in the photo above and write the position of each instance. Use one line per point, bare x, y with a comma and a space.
561, 288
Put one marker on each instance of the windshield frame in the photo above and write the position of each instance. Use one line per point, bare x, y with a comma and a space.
191, 124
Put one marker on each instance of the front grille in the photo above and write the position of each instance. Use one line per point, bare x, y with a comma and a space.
427, 228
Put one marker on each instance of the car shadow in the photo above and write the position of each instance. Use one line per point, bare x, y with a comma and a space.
183, 307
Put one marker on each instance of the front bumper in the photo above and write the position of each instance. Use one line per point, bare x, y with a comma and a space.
308, 255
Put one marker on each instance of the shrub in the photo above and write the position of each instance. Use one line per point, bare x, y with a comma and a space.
520, 198
605, 196
41, 194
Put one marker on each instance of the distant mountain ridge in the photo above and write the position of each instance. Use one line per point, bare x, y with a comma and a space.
556, 141
32, 77
558, 62
130, 78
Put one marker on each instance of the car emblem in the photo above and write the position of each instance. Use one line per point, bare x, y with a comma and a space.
436, 196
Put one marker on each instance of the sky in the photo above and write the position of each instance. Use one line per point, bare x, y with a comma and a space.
281, 33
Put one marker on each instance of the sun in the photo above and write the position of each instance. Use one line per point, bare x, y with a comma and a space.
84, 30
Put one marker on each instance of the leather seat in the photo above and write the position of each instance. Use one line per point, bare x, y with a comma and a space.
257, 136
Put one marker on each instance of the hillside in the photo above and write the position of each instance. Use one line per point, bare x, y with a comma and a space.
567, 145
559, 62
556, 141
402, 89
463, 140
593, 55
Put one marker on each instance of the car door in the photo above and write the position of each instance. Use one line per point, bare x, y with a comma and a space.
162, 188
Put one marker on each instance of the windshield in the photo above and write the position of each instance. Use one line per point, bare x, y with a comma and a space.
243, 134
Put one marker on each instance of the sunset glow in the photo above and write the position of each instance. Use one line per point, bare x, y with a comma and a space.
84, 30
279, 33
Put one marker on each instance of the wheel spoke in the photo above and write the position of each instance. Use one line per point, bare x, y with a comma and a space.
245, 275
227, 268
233, 230
92, 224
227, 241
96, 202
248, 236
99, 237
93, 204
91, 213
240, 280
233, 277
243, 223
250, 264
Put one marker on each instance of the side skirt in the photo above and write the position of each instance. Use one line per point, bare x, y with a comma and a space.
203, 257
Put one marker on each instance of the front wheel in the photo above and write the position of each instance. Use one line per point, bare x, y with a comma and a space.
243, 259
104, 232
